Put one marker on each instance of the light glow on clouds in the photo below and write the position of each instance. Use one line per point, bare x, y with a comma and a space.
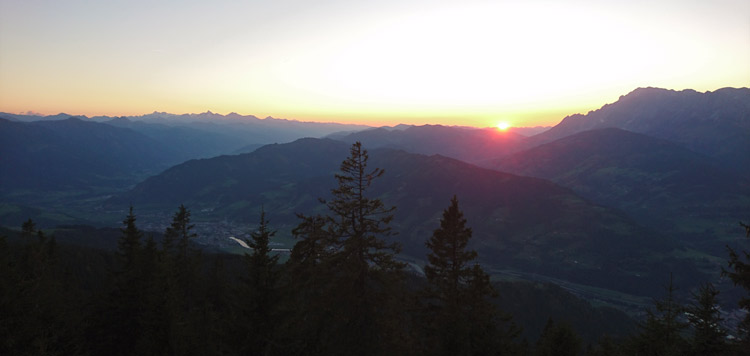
451, 62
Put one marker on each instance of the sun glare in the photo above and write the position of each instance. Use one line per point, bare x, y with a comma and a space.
502, 126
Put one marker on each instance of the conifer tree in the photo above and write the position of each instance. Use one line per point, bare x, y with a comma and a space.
458, 313
178, 276
28, 228
448, 273
129, 244
305, 281
178, 234
661, 332
128, 294
368, 275
448, 261
709, 336
360, 223
362, 276
117, 316
260, 293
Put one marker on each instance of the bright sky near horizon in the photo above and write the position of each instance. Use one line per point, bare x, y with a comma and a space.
456, 62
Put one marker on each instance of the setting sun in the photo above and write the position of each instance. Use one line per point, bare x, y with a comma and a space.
503, 126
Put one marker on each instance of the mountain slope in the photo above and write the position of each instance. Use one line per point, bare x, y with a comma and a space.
74, 154
186, 142
716, 124
518, 222
654, 180
467, 144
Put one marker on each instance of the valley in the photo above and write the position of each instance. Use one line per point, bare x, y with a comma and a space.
606, 204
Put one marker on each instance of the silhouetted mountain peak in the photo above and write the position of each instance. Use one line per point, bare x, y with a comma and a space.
715, 123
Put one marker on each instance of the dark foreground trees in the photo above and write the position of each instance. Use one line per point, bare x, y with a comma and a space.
258, 295
458, 316
341, 292
37, 308
709, 335
662, 331
348, 270
155, 301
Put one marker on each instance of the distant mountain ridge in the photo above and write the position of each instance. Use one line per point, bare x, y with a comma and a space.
716, 124
226, 133
463, 143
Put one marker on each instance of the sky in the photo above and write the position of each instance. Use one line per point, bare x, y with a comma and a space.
454, 62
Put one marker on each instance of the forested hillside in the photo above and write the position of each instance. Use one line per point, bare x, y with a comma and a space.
341, 290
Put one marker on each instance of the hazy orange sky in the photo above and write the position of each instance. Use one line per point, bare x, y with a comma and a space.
456, 62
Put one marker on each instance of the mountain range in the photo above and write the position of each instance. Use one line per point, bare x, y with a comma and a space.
616, 198
246, 128
716, 123
466, 144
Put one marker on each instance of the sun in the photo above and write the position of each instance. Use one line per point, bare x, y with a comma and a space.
502, 126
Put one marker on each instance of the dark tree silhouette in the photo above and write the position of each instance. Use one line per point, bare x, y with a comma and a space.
37, 310
459, 317
178, 234
306, 287
363, 280
260, 295
661, 332
558, 340
129, 244
709, 336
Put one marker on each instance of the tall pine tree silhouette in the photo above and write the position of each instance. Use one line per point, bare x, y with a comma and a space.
459, 317
363, 280
259, 293
709, 336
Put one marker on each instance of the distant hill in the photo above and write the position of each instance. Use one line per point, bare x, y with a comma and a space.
248, 148
75, 154
518, 222
656, 181
529, 131
467, 144
186, 142
716, 124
